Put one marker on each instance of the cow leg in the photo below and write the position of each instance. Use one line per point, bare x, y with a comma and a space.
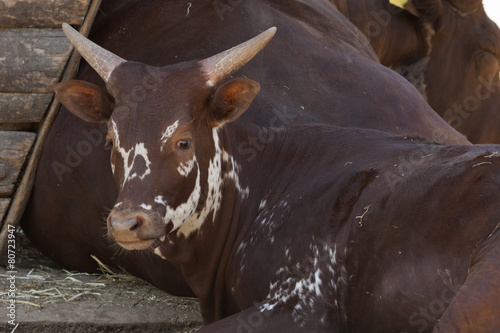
476, 306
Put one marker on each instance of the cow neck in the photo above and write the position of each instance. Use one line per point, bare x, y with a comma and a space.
203, 253
206, 257
255, 162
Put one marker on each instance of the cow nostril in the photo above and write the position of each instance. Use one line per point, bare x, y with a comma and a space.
136, 224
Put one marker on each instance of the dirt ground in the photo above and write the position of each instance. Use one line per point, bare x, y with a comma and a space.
51, 299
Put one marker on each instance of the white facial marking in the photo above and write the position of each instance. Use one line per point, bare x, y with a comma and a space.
185, 168
118, 204
214, 196
139, 150
184, 211
183, 217
159, 200
146, 207
169, 131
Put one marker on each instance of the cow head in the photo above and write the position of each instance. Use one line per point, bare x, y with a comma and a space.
162, 132
462, 74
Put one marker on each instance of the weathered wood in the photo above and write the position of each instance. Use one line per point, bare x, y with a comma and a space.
4, 204
23, 108
32, 60
14, 147
20, 198
41, 13
19, 127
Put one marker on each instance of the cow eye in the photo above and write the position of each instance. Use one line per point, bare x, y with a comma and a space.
183, 144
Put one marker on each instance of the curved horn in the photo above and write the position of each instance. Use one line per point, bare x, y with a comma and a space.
218, 67
103, 61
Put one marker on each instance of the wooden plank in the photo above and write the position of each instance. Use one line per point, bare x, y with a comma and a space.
4, 204
19, 127
14, 147
23, 108
32, 60
20, 198
41, 13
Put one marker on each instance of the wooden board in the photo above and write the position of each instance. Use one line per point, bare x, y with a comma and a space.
67, 69
41, 13
4, 203
14, 146
23, 108
32, 60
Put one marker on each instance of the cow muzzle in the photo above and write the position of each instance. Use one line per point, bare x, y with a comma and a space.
134, 230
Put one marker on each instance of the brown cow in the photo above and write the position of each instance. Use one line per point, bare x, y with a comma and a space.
311, 72
450, 49
321, 229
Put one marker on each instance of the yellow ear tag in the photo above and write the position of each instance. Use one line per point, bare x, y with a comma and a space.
398, 3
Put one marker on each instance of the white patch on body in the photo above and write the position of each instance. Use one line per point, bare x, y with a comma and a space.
308, 284
287, 254
233, 174
262, 204
241, 247
157, 251
269, 220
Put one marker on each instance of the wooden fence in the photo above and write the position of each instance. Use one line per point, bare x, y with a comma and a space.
34, 56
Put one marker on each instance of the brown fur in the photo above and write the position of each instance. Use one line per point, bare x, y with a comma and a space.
461, 77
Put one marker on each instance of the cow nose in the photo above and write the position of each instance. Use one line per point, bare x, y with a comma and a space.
134, 230
128, 225
126, 228
131, 231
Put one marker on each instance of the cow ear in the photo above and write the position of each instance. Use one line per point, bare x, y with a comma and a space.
85, 100
231, 99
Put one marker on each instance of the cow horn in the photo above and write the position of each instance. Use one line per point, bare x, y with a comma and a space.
103, 61
218, 67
